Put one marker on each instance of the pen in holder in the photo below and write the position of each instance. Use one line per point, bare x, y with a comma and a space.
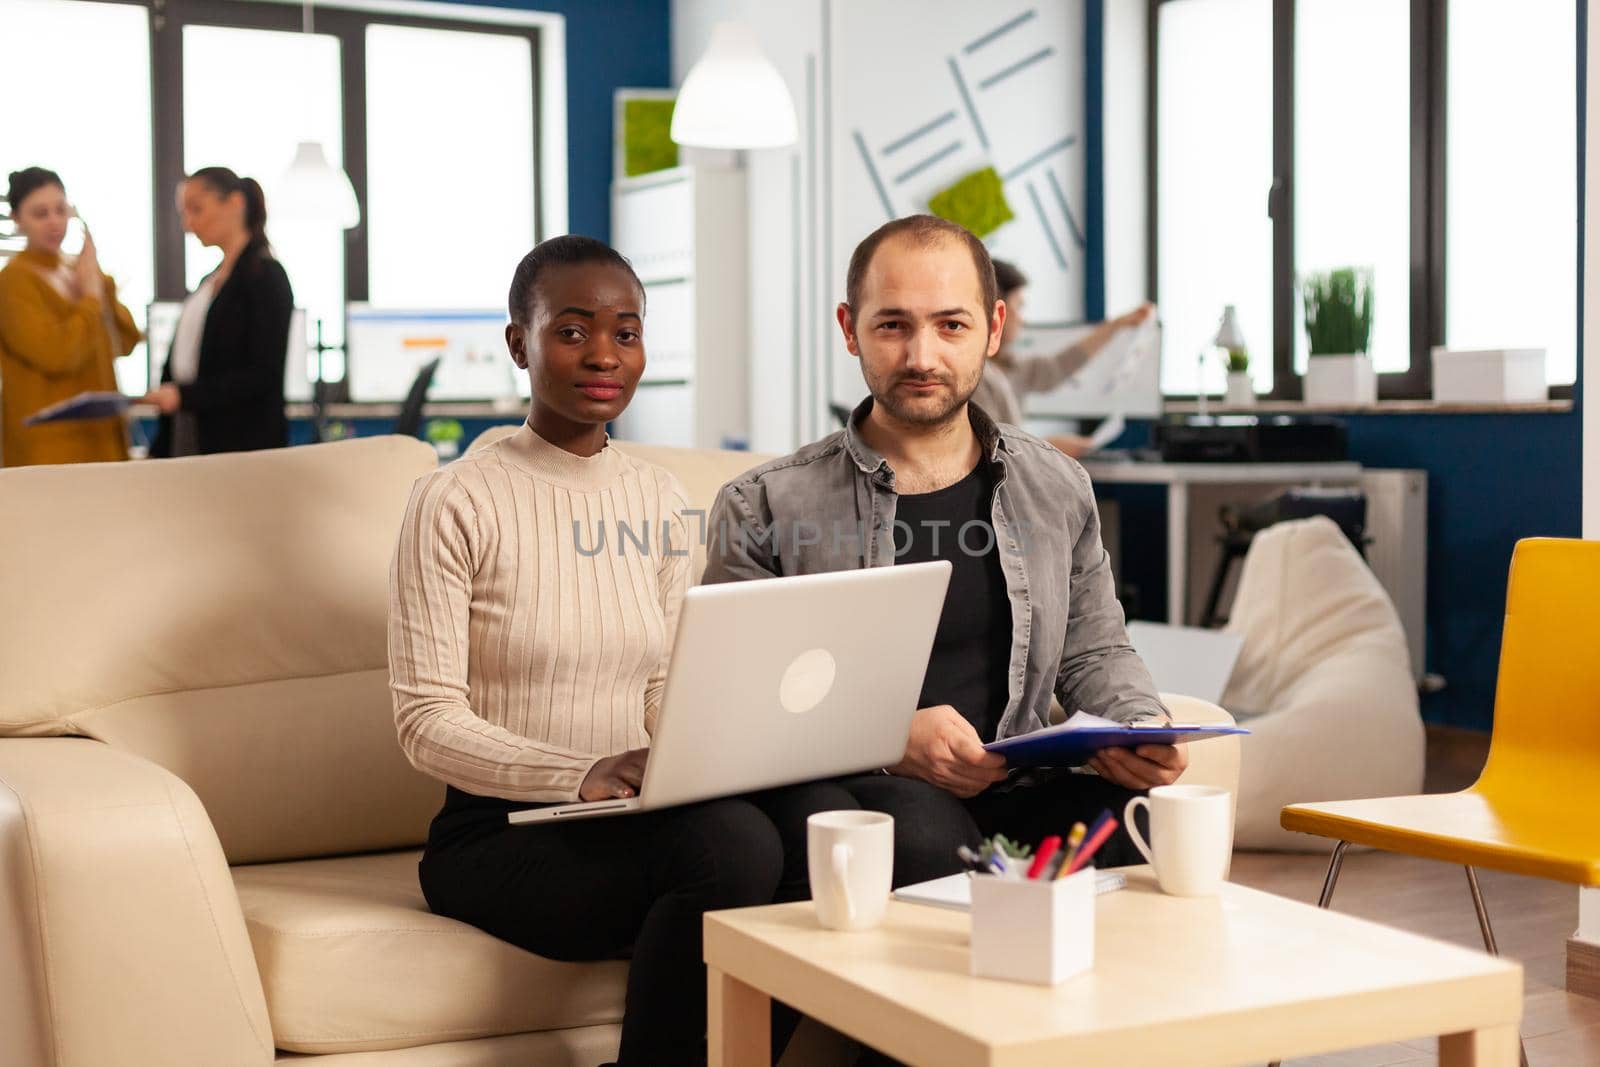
1033, 930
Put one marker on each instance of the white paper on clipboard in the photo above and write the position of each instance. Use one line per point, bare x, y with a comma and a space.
1123, 378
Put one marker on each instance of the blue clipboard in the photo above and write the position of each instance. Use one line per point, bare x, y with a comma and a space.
1057, 747
92, 405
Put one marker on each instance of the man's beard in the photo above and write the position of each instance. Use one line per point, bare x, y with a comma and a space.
928, 410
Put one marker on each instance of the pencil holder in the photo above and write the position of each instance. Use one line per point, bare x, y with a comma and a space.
1033, 931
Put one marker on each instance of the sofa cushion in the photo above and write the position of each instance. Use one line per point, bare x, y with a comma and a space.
352, 960
216, 615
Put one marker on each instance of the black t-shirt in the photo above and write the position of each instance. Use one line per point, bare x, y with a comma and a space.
972, 648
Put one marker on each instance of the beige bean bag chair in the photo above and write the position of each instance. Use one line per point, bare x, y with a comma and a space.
1323, 682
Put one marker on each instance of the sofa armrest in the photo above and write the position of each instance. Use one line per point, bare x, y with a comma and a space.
1214, 761
118, 916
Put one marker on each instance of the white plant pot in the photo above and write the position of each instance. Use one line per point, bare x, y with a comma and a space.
1241, 391
1341, 380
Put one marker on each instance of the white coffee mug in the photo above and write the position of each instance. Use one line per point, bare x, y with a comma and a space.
1191, 837
851, 856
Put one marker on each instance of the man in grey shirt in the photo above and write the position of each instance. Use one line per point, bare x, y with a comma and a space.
920, 474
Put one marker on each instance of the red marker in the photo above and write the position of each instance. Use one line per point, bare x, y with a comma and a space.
1086, 853
1047, 851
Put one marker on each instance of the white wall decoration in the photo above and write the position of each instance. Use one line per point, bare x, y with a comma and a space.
971, 86
897, 102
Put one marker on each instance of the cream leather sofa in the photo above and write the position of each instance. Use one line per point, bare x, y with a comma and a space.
208, 835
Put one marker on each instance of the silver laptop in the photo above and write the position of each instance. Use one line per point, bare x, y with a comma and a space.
785, 680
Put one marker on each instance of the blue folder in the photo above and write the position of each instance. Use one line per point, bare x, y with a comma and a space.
101, 405
1058, 747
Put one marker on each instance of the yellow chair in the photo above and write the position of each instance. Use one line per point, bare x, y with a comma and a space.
1532, 810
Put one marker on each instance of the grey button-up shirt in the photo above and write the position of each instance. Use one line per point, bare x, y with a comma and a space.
831, 507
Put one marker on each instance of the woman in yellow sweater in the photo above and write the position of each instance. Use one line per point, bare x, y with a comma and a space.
60, 329
526, 671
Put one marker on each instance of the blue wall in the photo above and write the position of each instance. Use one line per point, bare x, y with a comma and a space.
1493, 479
611, 44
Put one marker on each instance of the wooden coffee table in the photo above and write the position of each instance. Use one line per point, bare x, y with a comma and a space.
1241, 978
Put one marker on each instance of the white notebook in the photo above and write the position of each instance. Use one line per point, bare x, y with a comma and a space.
955, 891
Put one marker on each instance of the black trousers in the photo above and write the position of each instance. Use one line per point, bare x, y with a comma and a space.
632, 885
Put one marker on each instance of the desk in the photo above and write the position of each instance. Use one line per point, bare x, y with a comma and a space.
1244, 977
1178, 477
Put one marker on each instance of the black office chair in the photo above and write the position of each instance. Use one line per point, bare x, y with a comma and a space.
409, 422
1346, 507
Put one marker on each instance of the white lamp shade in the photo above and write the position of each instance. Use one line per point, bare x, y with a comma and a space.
1228, 333
734, 97
313, 190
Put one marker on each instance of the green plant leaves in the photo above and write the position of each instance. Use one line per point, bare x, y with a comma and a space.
1338, 307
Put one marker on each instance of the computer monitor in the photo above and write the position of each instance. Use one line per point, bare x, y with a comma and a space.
386, 347
161, 325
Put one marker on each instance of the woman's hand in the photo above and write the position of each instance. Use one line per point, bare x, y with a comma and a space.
86, 272
615, 777
164, 398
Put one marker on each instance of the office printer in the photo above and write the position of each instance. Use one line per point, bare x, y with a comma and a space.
1252, 439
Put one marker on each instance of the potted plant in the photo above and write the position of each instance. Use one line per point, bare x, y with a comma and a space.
1241, 390
445, 437
1338, 307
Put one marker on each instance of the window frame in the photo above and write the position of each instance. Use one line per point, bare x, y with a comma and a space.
348, 25
1429, 86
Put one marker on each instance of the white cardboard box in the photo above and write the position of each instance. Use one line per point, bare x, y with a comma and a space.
1488, 375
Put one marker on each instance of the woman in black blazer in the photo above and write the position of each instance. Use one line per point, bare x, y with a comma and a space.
222, 387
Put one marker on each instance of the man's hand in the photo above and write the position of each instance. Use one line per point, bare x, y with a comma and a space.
944, 750
1073, 444
615, 776
1136, 316
1144, 767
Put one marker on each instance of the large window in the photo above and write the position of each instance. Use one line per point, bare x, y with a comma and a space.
1512, 211
249, 97
58, 113
1432, 140
434, 111
450, 181
1352, 165
1214, 145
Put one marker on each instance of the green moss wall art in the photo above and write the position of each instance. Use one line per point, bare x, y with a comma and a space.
647, 136
976, 201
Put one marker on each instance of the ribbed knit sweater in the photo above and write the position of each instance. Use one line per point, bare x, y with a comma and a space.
533, 603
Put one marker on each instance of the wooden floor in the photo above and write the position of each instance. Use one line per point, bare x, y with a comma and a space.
1532, 921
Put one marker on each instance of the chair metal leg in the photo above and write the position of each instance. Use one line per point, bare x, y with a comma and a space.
1334, 863
1488, 938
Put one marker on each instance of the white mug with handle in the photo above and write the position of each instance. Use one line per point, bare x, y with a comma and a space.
851, 860
1191, 837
